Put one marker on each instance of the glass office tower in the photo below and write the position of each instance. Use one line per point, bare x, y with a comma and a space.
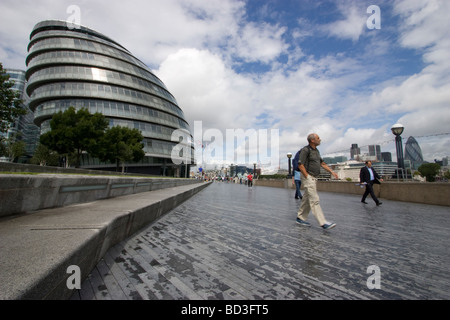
23, 128
80, 67
413, 153
18, 78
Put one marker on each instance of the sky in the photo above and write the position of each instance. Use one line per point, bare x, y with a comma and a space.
334, 68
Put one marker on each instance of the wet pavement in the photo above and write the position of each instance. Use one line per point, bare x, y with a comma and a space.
233, 242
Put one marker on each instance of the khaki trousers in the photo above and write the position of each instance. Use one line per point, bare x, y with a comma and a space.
310, 201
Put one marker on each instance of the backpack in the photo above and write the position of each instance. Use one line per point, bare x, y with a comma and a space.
295, 161
297, 158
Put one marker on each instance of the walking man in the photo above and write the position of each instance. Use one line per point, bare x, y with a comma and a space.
369, 176
309, 165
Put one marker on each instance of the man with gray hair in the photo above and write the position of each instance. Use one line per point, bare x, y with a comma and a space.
309, 165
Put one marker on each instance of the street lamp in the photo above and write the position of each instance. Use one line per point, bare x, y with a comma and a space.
289, 155
397, 130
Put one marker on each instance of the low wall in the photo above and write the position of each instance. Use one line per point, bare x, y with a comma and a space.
38, 248
24, 193
20, 167
417, 192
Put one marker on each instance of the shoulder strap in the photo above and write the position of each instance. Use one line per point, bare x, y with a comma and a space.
307, 158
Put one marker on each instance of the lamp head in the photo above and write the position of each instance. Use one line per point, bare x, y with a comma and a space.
397, 129
289, 155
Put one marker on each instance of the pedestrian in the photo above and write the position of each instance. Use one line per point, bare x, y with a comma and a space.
310, 163
296, 177
250, 180
369, 176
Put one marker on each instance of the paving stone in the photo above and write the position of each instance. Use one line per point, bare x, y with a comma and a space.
234, 242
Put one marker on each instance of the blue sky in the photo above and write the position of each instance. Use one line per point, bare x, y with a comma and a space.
294, 65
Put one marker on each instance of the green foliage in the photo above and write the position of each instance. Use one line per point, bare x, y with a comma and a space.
429, 170
447, 175
75, 132
120, 145
12, 148
10, 102
44, 156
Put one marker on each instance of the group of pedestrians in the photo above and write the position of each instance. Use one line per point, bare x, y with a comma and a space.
247, 180
307, 164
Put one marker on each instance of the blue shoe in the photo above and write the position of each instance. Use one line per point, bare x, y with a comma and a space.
303, 223
327, 226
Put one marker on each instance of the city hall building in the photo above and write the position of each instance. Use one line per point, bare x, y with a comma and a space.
79, 67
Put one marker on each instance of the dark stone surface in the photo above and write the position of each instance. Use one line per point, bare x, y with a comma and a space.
234, 242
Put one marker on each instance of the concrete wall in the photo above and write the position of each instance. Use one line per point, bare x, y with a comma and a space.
417, 192
31, 168
38, 248
24, 193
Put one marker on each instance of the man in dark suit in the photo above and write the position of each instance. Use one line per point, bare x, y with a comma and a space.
369, 176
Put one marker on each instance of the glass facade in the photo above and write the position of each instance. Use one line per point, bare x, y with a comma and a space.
413, 153
82, 68
23, 129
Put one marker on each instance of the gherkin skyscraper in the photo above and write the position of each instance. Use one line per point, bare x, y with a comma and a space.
77, 66
413, 152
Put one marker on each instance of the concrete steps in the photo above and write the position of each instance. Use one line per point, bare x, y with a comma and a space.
37, 248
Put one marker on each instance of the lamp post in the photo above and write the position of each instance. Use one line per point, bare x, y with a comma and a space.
397, 130
289, 155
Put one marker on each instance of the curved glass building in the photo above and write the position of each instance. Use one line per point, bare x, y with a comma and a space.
413, 152
76, 66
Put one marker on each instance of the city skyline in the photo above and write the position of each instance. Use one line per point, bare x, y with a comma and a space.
297, 66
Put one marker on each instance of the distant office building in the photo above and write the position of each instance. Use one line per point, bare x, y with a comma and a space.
354, 151
79, 67
385, 169
413, 153
386, 156
23, 129
18, 78
351, 169
375, 151
334, 160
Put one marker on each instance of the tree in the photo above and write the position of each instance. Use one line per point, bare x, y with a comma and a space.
12, 148
120, 145
447, 175
16, 150
75, 132
10, 102
43, 156
429, 170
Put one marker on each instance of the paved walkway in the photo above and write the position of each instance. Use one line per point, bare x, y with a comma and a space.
234, 242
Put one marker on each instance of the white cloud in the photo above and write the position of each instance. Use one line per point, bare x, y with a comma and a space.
206, 88
425, 22
352, 26
259, 42
193, 47
422, 98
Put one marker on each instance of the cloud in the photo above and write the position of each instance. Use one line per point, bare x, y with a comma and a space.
259, 42
425, 23
17, 19
198, 49
353, 24
422, 98
207, 89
